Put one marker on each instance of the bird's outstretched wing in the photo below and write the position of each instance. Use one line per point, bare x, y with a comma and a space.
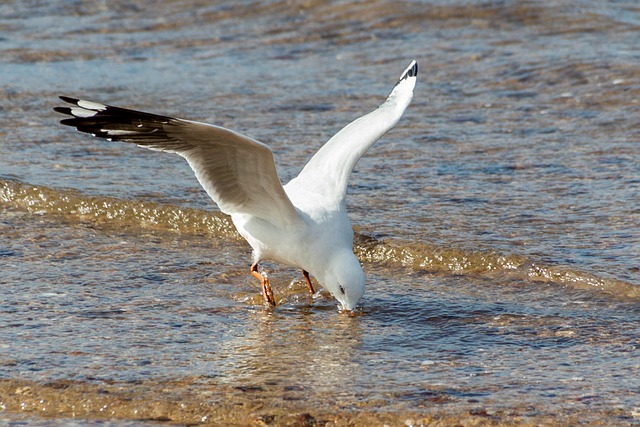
237, 172
328, 171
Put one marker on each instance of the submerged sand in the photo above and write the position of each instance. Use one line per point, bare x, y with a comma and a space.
183, 403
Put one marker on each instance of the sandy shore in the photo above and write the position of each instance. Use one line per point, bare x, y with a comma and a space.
182, 403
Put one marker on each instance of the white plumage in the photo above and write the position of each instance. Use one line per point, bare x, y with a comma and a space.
302, 224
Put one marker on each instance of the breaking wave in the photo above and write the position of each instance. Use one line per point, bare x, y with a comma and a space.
417, 256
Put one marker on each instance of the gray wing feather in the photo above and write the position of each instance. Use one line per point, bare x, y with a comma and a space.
237, 172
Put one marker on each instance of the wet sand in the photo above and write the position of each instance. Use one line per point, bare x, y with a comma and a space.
194, 403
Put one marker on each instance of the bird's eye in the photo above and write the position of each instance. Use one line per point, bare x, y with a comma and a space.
341, 290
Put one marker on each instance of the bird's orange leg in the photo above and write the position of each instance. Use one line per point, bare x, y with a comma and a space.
266, 287
308, 279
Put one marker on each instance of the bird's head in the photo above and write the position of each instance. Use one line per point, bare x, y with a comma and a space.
344, 280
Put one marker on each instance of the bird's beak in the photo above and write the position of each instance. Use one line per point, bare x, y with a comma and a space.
349, 312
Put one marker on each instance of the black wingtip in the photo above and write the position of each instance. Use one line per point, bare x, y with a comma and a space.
411, 71
66, 110
69, 99
63, 110
69, 122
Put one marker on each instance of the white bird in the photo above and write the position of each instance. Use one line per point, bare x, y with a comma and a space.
304, 223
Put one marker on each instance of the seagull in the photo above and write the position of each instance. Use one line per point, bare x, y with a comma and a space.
302, 224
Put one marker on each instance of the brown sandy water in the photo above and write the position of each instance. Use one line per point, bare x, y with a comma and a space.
498, 223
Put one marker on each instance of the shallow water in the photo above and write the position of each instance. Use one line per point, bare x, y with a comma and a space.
498, 222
